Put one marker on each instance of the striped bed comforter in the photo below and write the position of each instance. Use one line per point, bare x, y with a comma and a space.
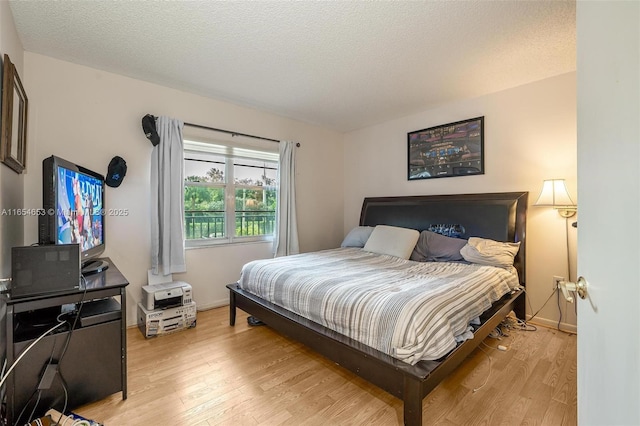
412, 311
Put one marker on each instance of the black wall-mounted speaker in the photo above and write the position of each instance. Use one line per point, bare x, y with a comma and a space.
45, 269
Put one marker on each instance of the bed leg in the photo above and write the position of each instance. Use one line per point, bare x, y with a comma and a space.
232, 308
412, 399
519, 307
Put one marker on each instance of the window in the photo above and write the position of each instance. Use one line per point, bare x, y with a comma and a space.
230, 194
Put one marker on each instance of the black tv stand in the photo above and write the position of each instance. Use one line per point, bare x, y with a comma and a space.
91, 359
94, 266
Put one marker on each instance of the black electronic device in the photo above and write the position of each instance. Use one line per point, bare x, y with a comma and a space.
41, 270
73, 210
100, 311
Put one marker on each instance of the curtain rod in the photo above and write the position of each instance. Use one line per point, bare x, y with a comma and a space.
199, 126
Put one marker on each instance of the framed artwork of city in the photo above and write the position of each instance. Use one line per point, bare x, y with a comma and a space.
453, 149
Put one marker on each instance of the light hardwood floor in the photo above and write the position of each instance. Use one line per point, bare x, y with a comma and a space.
215, 374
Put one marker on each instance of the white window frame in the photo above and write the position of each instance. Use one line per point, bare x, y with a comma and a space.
230, 152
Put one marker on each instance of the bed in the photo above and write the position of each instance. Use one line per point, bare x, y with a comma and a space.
495, 216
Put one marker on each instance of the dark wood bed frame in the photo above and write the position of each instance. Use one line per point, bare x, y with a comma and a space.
499, 216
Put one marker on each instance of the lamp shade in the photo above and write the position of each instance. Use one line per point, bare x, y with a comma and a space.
554, 193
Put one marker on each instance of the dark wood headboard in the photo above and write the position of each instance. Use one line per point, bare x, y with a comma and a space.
498, 216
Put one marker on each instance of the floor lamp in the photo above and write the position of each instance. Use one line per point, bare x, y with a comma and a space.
554, 194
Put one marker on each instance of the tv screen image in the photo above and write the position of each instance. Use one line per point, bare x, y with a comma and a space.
79, 209
73, 203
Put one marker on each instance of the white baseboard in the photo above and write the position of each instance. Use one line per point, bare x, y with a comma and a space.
212, 305
570, 328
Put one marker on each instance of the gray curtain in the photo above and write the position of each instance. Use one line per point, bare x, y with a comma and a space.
287, 227
167, 199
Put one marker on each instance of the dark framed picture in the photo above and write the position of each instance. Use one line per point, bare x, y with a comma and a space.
13, 140
454, 149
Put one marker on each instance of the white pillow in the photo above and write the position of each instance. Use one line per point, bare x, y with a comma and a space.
392, 240
489, 252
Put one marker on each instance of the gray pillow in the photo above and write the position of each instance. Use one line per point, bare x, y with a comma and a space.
432, 247
357, 237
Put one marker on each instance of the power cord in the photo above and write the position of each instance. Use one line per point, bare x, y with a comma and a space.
60, 323
559, 310
486, 380
42, 336
38, 390
557, 293
75, 321
66, 396
17, 421
4, 367
498, 333
542, 307
66, 346
35, 406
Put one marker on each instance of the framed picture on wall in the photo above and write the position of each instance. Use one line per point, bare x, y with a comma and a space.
13, 139
453, 149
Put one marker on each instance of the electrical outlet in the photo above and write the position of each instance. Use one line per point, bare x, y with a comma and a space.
556, 281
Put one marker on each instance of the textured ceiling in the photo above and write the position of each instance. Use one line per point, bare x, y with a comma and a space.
342, 65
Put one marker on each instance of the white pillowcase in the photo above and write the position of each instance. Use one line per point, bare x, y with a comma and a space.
489, 252
392, 240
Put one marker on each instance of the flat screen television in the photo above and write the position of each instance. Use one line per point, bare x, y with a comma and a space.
73, 207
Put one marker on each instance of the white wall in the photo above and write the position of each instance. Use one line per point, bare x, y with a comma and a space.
11, 183
88, 116
530, 135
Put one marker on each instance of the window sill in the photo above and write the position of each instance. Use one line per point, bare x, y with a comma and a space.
221, 244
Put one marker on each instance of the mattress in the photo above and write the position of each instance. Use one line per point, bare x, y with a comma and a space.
410, 310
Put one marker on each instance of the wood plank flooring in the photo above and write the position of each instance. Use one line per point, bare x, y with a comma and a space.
215, 374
